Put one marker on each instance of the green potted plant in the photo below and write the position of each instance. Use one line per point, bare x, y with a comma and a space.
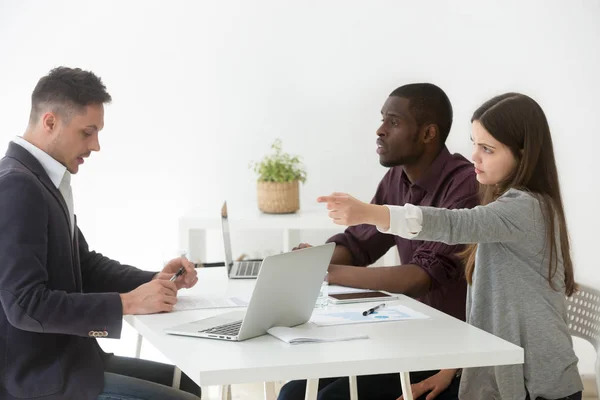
279, 177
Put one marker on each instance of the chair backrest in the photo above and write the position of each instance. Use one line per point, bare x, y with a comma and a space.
583, 313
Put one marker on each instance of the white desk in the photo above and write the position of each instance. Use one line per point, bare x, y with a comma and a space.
194, 225
436, 343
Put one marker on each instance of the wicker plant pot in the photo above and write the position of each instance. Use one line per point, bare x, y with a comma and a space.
278, 198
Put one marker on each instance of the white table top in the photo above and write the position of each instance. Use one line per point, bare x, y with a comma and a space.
242, 217
439, 342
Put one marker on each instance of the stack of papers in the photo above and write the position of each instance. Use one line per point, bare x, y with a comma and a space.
310, 334
185, 303
354, 315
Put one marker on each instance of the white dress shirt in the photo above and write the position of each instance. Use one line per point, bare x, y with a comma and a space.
405, 221
58, 174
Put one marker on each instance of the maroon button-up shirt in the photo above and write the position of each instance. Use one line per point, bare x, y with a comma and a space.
449, 183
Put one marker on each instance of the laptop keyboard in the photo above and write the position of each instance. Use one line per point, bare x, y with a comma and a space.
248, 268
231, 329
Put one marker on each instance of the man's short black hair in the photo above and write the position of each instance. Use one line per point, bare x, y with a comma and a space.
429, 105
65, 90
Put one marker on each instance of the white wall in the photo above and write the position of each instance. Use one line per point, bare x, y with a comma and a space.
202, 88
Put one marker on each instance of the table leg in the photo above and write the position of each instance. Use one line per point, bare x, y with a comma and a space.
226, 392
312, 389
193, 242
291, 239
405, 382
353, 388
176, 378
270, 391
138, 346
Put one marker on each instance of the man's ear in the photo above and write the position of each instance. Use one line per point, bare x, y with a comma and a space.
431, 133
49, 122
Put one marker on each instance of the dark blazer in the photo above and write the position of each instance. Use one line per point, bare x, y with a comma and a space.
56, 295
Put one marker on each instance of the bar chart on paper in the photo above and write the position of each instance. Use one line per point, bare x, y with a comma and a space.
354, 315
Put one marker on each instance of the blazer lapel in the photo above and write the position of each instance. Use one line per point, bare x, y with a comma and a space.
76, 260
28, 160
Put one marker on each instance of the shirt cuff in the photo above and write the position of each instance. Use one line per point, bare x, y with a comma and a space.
405, 221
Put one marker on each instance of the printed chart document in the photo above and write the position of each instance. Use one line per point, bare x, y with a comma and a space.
354, 315
185, 303
308, 333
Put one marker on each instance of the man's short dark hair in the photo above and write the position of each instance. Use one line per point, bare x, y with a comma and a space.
66, 90
429, 105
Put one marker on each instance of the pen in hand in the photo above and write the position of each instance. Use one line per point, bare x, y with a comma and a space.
179, 273
372, 310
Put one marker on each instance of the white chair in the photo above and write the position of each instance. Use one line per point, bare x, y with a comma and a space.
583, 314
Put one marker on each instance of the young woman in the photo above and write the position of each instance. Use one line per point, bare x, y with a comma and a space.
519, 263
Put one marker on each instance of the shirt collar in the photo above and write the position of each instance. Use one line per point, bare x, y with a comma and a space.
55, 170
430, 180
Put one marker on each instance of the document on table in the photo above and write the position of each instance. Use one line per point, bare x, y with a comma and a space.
185, 303
354, 315
308, 333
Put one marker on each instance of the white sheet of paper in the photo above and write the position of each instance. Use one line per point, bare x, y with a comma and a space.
308, 333
347, 315
198, 302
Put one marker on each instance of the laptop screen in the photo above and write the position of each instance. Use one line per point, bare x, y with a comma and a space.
226, 237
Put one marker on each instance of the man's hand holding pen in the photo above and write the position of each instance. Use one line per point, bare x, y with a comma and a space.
188, 276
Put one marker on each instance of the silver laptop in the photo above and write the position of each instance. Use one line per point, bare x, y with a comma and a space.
236, 269
285, 295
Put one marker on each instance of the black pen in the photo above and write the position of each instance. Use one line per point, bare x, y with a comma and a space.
207, 265
372, 310
179, 273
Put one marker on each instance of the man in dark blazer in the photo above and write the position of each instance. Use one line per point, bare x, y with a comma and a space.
56, 295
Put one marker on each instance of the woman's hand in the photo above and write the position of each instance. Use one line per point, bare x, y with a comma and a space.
346, 210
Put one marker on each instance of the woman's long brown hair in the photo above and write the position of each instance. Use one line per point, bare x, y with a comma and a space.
519, 123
